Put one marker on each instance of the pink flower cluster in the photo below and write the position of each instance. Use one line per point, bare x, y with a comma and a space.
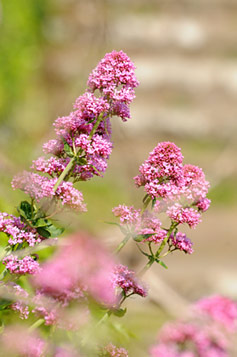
126, 280
84, 134
161, 173
114, 77
182, 187
220, 309
39, 187
190, 340
27, 265
208, 333
112, 351
127, 215
16, 293
181, 215
80, 268
17, 341
182, 242
150, 228
146, 224
17, 231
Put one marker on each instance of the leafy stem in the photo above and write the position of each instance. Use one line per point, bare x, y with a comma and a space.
172, 227
123, 243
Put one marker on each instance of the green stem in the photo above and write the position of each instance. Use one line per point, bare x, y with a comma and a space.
150, 249
64, 173
95, 127
72, 161
173, 225
3, 274
124, 298
4, 252
146, 267
156, 256
122, 244
146, 203
104, 318
36, 324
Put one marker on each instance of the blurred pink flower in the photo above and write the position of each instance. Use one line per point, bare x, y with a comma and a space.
17, 340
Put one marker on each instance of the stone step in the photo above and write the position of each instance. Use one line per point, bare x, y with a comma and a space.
190, 74
185, 32
194, 122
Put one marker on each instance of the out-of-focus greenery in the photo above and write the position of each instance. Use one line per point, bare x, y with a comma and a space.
20, 40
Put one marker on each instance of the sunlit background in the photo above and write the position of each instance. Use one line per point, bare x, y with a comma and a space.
186, 57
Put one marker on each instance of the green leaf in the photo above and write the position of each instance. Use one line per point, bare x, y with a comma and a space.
81, 161
3, 274
145, 198
68, 149
138, 238
162, 264
141, 237
54, 231
40, 222
43, 232
119, 312
153, 203
25, 209
4, 303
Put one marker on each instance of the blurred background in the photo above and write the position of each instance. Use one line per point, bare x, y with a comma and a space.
186, 58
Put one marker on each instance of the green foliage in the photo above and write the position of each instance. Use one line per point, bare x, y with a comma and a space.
141, 237
25, 210
119, 312
21, 35
44, 226
162, 264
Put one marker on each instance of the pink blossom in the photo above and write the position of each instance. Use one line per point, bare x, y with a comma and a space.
83, 265
53, 146
112, 351
34, 185
116, 79
126, 280
162, 350
70, 196
203, 204
127, 215
196, 186
220, 309
53, 166
90, 107
161, 173
150, 226
187, 338
39, 187
20, 305
18, 340
27, 265
164, 176
181, 242
121, 110
14, 292
53, 307
182, 215
114, 76
17, 231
